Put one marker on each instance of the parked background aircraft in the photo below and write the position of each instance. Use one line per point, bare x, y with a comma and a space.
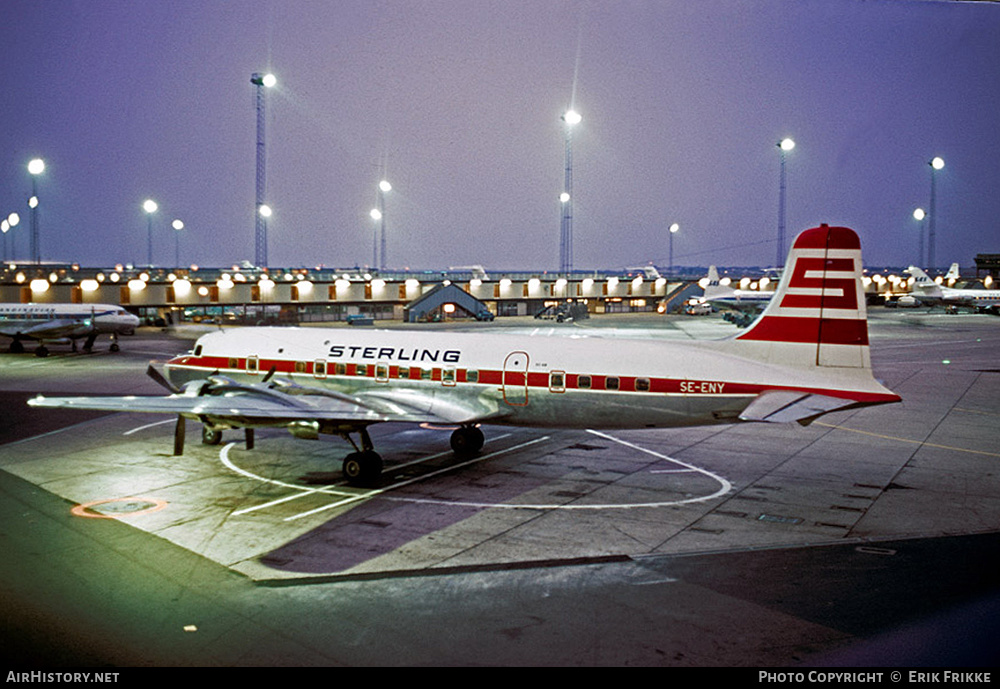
64, 324
806, 355
725, 296
930, 292
741, 306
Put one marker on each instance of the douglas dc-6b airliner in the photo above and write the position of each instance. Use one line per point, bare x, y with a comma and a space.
806, 355
64, 324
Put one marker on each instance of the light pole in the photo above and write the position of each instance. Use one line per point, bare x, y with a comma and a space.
383, 188
376, 215
785, 145
673, 231
178, 226
570, 118
35, 168
936, 164
6, 225
264, 214
149, 205
919, 216
261, 81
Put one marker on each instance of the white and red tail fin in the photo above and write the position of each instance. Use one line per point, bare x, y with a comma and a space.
817, 316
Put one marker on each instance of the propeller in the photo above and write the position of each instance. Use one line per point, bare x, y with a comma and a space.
268, 375
180, 427
161, 380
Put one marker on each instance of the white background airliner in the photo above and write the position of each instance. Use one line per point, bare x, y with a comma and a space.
929, 291
64, 324
805, 356
727, 296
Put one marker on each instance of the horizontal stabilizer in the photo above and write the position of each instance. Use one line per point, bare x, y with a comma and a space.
785, 406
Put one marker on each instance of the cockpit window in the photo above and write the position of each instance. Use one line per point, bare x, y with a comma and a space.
197, 350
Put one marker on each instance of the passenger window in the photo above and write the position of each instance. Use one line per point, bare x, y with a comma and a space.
233, 362
300, 367
404, 372
340, 369
426, 373
319, 368
611, 383
361, 370
448, 376
557, 381
583, 382
642, 384
472, 376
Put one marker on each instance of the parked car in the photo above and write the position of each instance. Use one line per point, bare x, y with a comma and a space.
698, 309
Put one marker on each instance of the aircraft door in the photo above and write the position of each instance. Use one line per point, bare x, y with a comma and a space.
515, 379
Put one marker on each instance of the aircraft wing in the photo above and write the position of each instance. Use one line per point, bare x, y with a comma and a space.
785, 406
280, 402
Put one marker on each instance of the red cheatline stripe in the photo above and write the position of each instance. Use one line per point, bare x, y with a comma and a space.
571, 381
841, 331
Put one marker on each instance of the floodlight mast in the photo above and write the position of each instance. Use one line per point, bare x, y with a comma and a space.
570, 118
784, 145
35, 168
261, 81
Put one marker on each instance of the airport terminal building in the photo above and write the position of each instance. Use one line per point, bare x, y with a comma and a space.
305, 295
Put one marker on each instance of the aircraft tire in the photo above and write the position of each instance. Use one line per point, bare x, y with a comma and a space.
210, 436
16, 347
41, 351
362, 467
467, 441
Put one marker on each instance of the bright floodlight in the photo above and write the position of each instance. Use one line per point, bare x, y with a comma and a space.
674, 227
269, 80
149, 205
937, 163
786, 144
13, 219
376, 214
384, 186
563, 197
919, 214
265, 210
572, 117
177, 225
36, 166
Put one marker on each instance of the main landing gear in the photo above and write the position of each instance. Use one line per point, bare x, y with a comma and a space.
364, 465
466, 441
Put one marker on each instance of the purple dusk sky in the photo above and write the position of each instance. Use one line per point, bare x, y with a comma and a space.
459, 102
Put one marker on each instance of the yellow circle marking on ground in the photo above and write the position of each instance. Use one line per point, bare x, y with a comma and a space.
907, 440
141, 506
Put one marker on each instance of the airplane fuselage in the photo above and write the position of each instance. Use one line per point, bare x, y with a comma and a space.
64, 321
579, 382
